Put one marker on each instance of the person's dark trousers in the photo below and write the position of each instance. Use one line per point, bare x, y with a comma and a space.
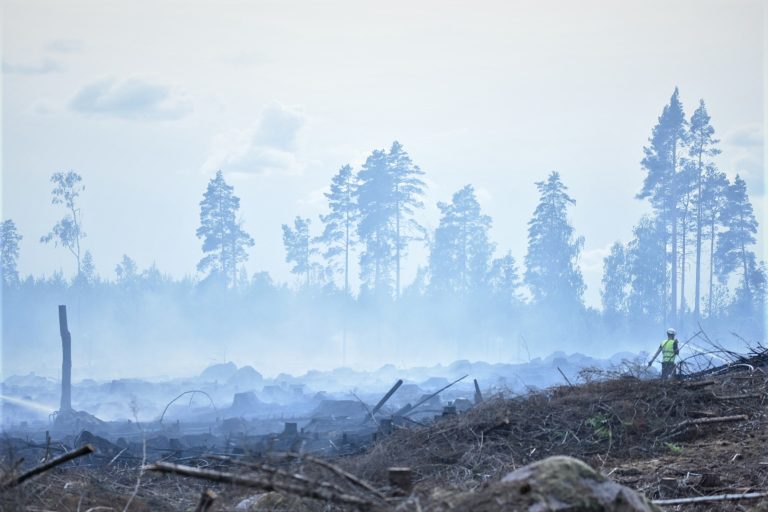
667, 370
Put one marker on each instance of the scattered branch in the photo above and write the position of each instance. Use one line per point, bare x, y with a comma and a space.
83, 450
266, 485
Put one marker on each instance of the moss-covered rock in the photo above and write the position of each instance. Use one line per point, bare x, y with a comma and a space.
553, 484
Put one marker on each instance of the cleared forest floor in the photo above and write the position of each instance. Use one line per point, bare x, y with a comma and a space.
699, 437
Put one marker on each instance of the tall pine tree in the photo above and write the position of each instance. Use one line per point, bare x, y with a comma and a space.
375, 227
733, 248
407, 195
298, 248
340, 222
712, 200
702, 147
224, 240
662, 163
461, 251
552, 272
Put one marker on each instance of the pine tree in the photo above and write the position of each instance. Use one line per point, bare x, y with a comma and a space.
732, 251
298, 248
9, 252
686, 215
646, 260
615, 282
127, 271
338, 233
407, 194
389, 192
552, 271
461, 250
702, 147
661, 185
504, 280
87, 276
712, 200
375, 228
68, 231
224, 240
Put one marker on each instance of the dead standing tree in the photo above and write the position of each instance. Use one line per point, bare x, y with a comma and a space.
66, 363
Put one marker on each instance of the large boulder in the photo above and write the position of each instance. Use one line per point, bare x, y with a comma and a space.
554, 484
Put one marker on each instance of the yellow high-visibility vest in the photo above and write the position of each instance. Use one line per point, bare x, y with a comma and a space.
668, 351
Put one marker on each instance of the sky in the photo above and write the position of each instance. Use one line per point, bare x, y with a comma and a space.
147, 99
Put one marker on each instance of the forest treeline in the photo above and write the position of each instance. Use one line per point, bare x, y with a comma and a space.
690, 263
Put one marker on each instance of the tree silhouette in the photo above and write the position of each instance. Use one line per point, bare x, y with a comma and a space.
67, 231
224, 240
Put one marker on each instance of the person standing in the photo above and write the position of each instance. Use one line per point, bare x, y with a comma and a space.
669, 350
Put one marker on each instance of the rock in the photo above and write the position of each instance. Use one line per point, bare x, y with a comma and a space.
218, 372
245, 378
556, 483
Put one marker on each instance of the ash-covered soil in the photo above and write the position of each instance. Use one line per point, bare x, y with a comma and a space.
663, 439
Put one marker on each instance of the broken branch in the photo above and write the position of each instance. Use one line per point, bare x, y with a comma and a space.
709, 499
318, 493
83, 450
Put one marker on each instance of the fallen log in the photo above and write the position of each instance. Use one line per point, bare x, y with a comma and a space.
718, 419
267, 485
83, 450
699, 384
739, 397
711, 499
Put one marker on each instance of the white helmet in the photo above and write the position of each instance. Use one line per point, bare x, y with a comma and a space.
671, 331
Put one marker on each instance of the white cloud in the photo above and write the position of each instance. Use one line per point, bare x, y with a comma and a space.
743, 152
65, 46
269, 146
484, 195
748, 135
315, 197
42, 67
42, 107
130, 99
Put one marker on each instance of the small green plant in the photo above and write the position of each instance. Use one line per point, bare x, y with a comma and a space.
674, 448
600, 425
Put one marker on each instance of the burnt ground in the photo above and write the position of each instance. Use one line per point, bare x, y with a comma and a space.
663, 439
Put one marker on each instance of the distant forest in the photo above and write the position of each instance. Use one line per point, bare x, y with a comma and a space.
690, 263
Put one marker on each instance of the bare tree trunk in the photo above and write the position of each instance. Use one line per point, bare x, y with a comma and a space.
397, 249
684, 239
711, 263
699, 222
346, 256
66, 362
